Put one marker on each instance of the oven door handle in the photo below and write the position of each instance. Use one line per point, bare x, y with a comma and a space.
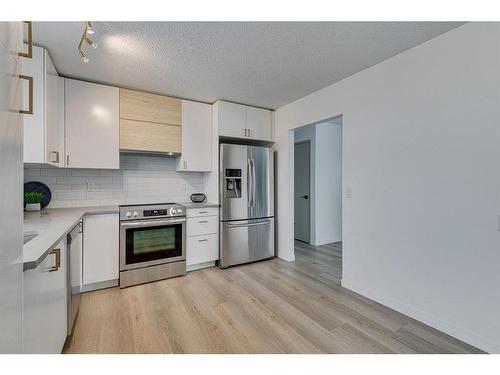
151, 223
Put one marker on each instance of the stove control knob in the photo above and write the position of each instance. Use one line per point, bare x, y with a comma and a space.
173, 211
129, 214
179, 211
135, 213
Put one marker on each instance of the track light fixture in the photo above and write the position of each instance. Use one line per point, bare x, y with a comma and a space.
85, 37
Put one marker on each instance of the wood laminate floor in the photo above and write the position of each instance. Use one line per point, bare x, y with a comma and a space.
265, 307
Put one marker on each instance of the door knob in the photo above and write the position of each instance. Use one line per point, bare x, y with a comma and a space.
305, 196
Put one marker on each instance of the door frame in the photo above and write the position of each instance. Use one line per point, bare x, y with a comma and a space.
310, 191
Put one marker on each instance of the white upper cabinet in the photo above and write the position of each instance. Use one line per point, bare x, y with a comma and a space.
241, 121
232, 119
259, 124
92, 125
196, 154
44, 128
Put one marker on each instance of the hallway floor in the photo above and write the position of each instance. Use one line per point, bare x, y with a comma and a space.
265, 307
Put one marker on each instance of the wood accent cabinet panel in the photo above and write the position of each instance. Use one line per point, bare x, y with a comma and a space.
149, 136
143, 106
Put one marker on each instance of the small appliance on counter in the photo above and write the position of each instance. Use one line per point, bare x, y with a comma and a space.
152, 243
198, 198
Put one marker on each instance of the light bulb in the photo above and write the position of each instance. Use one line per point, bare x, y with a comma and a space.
90, 30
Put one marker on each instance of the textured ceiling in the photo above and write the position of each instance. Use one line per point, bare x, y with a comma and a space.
267, 64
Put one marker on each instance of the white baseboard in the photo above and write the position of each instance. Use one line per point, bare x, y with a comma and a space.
199, 266
99, 285
452, 329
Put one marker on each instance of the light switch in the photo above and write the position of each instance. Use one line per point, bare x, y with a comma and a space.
348, 192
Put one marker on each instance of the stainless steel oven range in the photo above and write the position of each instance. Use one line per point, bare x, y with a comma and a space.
152, 243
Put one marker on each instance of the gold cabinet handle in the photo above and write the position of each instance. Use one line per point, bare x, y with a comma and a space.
29, 111
67, 160
29, 54
184, 163
57, 253
55, 158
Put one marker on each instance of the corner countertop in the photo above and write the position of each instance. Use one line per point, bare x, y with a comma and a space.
198, 205
52, 225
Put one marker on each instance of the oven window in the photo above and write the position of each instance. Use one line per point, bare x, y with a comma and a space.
153, 243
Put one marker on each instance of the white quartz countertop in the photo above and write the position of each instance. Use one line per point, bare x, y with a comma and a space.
198, 205
51, 226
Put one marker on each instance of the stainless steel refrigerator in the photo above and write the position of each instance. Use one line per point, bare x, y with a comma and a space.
246, 192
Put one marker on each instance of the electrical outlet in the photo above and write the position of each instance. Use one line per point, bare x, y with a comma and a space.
92, 186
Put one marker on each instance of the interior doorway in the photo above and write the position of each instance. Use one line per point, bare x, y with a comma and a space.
302, 182
317, 196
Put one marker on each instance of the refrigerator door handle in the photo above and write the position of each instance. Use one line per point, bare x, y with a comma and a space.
248, 225
253, 182
249, 183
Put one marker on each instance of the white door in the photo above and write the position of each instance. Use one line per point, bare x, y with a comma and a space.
92, 125
196, 137
231, 119
259, 124
302, 194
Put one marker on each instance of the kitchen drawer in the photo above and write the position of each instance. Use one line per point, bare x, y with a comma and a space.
202, 211
202, 225
202, 249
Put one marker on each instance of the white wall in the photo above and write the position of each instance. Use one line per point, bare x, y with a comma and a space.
140, 179
328, 186
421, 155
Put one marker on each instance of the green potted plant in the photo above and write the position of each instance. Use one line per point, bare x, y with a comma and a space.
32, 201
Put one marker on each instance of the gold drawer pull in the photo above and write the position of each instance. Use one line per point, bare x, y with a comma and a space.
28, 54
55, 156
57, 253
203, 240
30, 95
203, 221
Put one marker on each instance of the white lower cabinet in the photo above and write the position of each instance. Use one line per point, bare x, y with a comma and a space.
100, 251
202, 237
45, 304
202, 249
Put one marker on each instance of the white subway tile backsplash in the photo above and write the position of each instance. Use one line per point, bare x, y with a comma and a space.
140, 179
71, 180
55, 172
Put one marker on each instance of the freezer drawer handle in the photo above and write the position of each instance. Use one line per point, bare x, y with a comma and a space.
203, 221
248, 225
203, 240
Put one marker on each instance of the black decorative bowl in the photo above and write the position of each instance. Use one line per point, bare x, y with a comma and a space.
38, 187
